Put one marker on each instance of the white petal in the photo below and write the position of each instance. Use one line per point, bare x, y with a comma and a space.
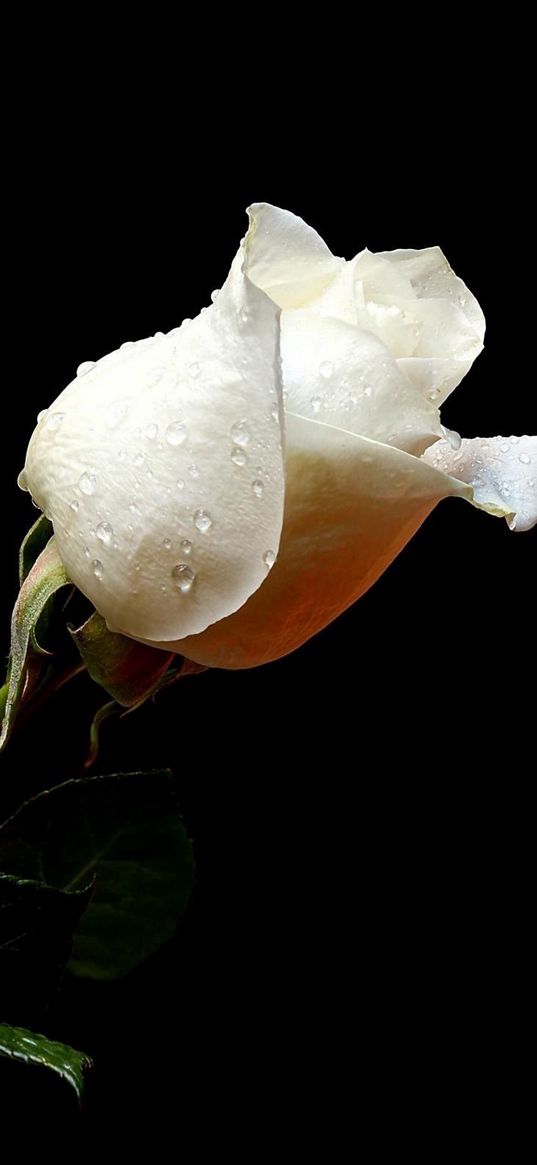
148, 474
502, 472
453, 327
342, 376
431, 277
287, 258
351, 505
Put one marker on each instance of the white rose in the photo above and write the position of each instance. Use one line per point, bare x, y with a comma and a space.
206, 508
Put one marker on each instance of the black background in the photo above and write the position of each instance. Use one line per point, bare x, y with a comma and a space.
356, 953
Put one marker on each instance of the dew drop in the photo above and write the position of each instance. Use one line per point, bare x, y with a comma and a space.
180, 483
87, 482
86, 366
176, 433
269, 558
167, 543
316, 403
275, 414
186, 546
194, 369
243, 315
523, 457
326, 369
127, 344
22, 481
240, 433
97, 568
202, 521
258, 488
215, 294
151, 431
116, 412
134, 509
504, 448
104, 533
238, 456
433, 393
41, 416
193, 470
183, 576
54, 421
139, 459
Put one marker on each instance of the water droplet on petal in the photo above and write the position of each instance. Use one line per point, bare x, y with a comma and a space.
186, 546
105, 533
167, 543
176, 433
258, 488
240, 433
193, 470
86, 366
21, 480
238, 456
202, 521
54, 421
326, 369
194, 369
87, 482
269, 558
316, 403
243, 315
98, 568
41, 416
116, 412
215, 294
183, 576
151, 431
504, 448
523, 457
139, 458
180, 483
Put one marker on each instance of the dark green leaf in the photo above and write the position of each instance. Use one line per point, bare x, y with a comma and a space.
127, 670
44, 579
27, 1047
124, 830
36, 933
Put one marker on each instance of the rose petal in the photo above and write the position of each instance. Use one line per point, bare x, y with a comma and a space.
342, 376
453, 328
287, 258
162, 469
502, 472
351, 505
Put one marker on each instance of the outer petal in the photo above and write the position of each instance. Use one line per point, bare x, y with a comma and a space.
162, 469
287, 258
502, 472
342, 376
351, 505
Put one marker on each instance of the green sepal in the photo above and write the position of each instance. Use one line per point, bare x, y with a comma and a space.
27, 659
129, 671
